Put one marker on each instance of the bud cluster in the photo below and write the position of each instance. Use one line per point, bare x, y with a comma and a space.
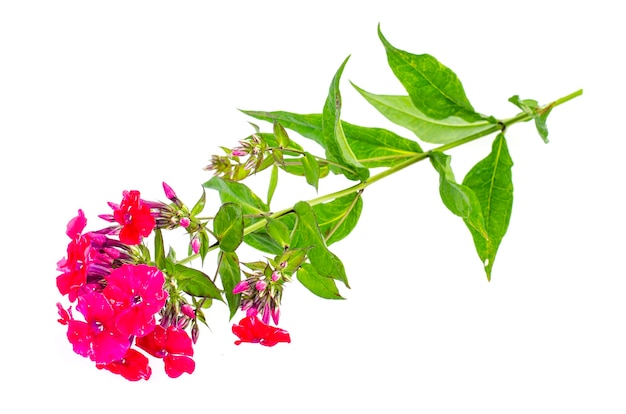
234, 165
261, 292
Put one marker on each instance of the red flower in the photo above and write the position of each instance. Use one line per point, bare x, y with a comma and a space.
173, 345
133, 367
253, 330
136, 292
134, 217
97, 337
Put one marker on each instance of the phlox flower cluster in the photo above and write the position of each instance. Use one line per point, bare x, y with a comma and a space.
125, 309
119, 296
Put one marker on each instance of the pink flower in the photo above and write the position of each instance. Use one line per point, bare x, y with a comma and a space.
135, 218
251, 329
96, 338
136, 292
133, 366
173, 345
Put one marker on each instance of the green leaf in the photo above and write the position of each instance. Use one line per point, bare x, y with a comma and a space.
492, 182
281, 135
339, 217
307, 235
337, 147
228, 226
230, 275
311, 169
401, 111
262, 241
294, 259
239, 193
196, 283
159, 249
278, 231
273, 183
539, 114
199, 206
459, 199
321, 286
434, 89
373, 147
204, 243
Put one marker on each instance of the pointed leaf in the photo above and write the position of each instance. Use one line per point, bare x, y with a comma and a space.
159, 249
196, 283
401, 111
321, 286
311, 169
337, 147
228, 226
491, 180
273, 183
279, 231
459, 199
434, 89
281, 135
339, 217
239, 193
539, 114
293, 258
373, 147
307, 235
199, 206
230, 275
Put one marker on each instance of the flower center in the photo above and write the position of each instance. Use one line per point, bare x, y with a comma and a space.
137, 299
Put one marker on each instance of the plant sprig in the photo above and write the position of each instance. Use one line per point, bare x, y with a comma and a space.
295, 241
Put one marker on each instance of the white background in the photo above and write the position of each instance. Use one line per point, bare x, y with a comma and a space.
99, 97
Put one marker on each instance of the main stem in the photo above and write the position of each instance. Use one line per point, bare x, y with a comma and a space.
500, 126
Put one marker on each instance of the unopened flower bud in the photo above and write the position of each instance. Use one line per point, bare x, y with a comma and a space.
275, 276
169, 193
195, 333
275, 315
188, 311
184, 222
240, 287
283, 264
195, 245
260, 285
238, 152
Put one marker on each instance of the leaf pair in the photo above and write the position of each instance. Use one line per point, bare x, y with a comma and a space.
484, 200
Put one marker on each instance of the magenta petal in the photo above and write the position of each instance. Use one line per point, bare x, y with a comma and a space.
81, 337
133, 321
110, 346
76, 225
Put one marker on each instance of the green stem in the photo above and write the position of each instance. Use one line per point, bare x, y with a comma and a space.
500, 126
